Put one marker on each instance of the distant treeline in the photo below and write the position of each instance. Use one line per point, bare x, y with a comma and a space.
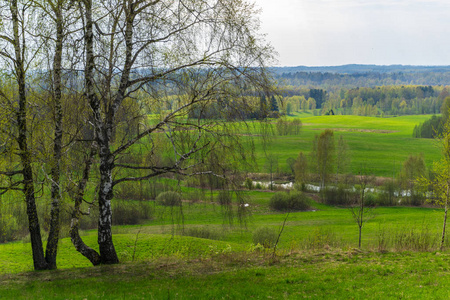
329, 80
366, 101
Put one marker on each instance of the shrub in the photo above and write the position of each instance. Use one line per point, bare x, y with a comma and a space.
387, 194
370, 199
289, 201
169, 198
320, 238
414, 239
13, 221
265, 236
416, 199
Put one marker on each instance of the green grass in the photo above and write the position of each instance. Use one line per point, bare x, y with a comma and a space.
380, 144
158, 263
324, 275
326, 225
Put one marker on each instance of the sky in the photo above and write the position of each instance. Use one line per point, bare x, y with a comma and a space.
338, 32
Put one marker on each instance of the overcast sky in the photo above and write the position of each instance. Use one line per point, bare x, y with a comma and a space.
337, 32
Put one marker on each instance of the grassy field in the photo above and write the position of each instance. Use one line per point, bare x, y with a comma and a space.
391, 228
381, 144
163, 257
320, 275
316, 258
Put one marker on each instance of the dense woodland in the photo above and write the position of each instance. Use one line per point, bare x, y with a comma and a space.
364, 90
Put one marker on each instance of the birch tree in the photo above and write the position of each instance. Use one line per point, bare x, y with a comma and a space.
322, 156
440, 182
18, 57
202, 50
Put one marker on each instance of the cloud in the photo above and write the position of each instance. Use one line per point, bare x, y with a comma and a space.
318, 32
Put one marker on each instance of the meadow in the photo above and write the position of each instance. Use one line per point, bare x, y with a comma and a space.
379, 144
202, 250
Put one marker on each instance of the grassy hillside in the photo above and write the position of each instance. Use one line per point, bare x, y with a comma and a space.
381, 144
216, 257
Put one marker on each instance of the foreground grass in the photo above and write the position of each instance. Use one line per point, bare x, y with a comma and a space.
321, 275
392, 228
16, 257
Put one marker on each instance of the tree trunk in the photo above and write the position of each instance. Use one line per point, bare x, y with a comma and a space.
359, 244
107, 251
53, 236
103, 135
80, 246
445, 218
25, 155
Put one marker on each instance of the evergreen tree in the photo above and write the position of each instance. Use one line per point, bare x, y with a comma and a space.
274, 104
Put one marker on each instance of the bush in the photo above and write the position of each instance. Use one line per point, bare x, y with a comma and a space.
415, 239
320, 238
289, 201
129, 213
416, 199
169, 198
371, 199
267, 237
388, 192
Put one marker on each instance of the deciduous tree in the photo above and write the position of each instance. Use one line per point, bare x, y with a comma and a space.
323, 156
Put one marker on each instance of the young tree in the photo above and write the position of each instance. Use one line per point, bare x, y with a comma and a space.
413, 167
361, 213
440, 182
17, 57
290, 161
56, 17
301, 169
311, 103
274, 104
297, 125
342, 156
289, 108
271, 166
322, 156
